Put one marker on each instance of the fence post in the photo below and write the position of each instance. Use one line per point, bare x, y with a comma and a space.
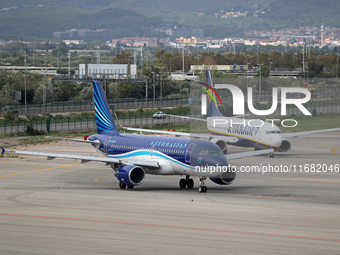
48, 125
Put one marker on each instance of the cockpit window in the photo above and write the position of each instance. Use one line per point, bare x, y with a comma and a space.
273, 132
211, 152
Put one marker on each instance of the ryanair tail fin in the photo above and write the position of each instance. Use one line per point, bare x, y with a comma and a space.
105, 122
213, 111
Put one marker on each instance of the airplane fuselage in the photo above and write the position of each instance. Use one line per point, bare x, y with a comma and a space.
179, 156
257, 134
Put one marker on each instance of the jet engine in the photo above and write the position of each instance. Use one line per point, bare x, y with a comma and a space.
220, 143
226, 178
131, 175
285, 146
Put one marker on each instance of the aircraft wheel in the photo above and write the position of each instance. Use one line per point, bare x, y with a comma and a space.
271, 155
182, 183
122, 185
204, 189
130, 186
190, 183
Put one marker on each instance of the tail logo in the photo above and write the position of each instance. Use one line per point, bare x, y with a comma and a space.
210, 94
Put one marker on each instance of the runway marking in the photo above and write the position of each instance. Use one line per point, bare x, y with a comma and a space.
335, 151
104, 183
39, 170
173, 226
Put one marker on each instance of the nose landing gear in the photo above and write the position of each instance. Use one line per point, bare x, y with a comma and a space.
202, 188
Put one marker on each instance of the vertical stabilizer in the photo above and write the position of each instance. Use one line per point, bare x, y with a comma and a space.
212, 103
105, 122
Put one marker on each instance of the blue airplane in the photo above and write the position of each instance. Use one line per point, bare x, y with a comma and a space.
132, 156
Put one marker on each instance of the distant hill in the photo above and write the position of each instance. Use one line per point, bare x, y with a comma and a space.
38, 19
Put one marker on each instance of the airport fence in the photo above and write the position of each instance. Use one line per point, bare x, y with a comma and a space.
78, 124
87, 105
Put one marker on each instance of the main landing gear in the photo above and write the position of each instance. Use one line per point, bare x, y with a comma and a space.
122, 185
271, 155
187, 182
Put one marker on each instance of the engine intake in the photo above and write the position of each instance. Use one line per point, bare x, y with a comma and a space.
220, 143
285, 146
226, 178
131, 175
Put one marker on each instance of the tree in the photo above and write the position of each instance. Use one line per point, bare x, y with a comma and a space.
122, 58
7, 95
287, 62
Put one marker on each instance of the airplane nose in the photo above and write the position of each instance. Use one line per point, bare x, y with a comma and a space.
277, 140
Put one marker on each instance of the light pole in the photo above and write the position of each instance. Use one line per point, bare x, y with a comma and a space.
307, 73
69, 63
260, 84
154, 90
337, 70
161, 83
183, 59
146, 91
247, 73
25, 81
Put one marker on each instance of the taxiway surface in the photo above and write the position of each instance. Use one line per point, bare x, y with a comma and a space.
63, 207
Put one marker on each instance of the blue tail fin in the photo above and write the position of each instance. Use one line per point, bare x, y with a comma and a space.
212, 105
2, 151
105, 122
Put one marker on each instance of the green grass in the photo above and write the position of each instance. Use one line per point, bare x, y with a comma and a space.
306, 123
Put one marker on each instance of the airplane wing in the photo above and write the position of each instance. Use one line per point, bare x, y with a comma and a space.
85, 159
74, 140
293, 135
185, 117
248, 154
191, 135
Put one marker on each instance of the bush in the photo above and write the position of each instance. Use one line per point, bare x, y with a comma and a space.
11, 115
32, 131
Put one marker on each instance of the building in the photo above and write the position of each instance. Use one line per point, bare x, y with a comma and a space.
221, 68
113, 71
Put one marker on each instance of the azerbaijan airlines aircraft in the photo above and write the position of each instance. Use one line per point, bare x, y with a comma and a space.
133, 156
239, 132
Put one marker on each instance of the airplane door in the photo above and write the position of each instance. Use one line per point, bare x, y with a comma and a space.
188, 152
106, 145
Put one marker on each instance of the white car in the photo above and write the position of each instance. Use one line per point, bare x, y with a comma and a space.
159, 115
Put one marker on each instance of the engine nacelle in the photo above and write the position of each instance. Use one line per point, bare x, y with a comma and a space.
285, 146
226, 178
220, 143
131, 175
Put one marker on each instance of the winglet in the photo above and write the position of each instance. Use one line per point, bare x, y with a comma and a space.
2, 151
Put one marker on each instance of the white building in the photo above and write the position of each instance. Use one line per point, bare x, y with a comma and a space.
114, 71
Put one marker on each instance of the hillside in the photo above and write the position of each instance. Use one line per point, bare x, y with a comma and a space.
21, 19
